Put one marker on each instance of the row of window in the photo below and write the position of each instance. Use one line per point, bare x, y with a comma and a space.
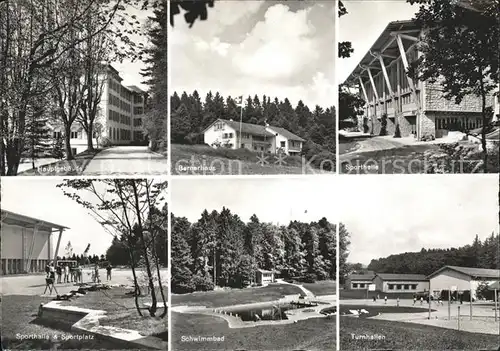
218, 126
138, 110
16, 266
402, 286
227, 135
457, 123
73, 135
119, 117
123, 91
117, 102
119, 134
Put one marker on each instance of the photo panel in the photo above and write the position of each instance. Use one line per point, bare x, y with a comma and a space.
416, 97
253, 87
83, 86
84, 264
254, 264
419, 263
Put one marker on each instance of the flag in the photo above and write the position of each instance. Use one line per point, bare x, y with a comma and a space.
239, 100
86, 250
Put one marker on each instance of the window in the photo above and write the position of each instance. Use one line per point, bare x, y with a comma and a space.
138, 110
398, 286
73, 151
391, 286
414, 286
362, 285
74, 135
219, 126
283, 143
137, 122
230, 135
407, 286
57, 135
354, 285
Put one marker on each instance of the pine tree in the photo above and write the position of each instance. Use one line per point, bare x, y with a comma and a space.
181, 275
57, 149
37, 137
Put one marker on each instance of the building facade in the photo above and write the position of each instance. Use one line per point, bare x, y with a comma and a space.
359, 281
254, 137
461, 279
394, 283
27, 242
120, 116
263, 277
392, 98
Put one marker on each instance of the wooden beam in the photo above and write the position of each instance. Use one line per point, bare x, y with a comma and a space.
32, 246
363, 89
386, 76
408, 37
57, 246
373, 84
405, 61
396, 32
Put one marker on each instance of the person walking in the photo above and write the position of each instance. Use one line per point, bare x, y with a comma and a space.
385, 299
397, 301
108, 271
414, 299
421, 300
52, 272
59, 273
96, 274
66, 273
47, 270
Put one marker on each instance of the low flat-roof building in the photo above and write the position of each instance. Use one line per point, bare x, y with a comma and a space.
461, 278
26, 245
393, 283
263, 277
359, 281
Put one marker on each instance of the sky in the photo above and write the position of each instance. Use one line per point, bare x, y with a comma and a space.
275, 200
41, 199
405, 213
281, 49
363, 24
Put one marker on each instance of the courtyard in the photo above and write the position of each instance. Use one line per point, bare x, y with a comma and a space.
25, 328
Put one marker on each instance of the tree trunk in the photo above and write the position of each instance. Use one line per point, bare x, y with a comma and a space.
152, 309
90, 145
67, 142
485, 123
160, 285
137, 289
13, 157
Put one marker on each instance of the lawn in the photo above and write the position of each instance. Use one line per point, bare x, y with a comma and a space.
375, 310
19, 320
228, 297
205, 160
316, 334
346, 294
409, 336
324, 287
122, 312
460, 157
64, 167
402, 160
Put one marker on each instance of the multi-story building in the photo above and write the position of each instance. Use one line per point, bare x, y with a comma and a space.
27, 243
394, 98
120, 115
260, 138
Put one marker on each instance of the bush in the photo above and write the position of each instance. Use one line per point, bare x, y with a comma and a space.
427, 137
194, 138
397, 133
203, 283
383, 125
105, 142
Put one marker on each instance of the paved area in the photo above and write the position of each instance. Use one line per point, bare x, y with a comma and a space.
26, 164
35, 284
127, 160
483, 315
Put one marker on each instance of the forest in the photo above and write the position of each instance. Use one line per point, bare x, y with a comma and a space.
190, 116
221, 240
478, 254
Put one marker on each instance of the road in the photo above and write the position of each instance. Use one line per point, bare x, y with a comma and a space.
127, 160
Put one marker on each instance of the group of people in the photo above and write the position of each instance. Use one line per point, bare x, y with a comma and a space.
67, 274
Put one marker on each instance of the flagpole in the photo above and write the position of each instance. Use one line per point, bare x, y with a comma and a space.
241, 120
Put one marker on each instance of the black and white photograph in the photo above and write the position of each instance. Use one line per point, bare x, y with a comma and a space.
418, 87
84, 264
253, 88
253, 264
419, 263
83, 87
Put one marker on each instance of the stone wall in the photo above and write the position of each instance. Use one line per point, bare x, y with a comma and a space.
435, 100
